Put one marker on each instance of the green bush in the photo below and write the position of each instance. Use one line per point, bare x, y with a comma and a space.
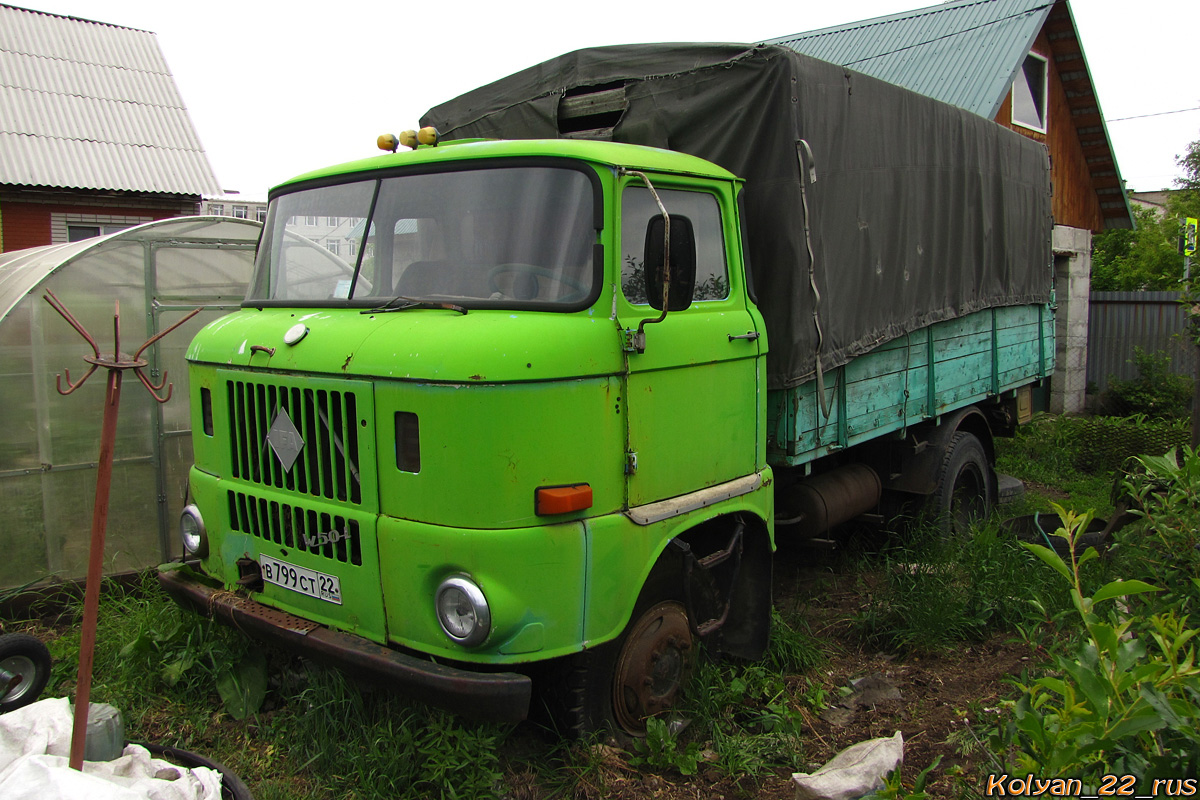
1127, 700
1156, 392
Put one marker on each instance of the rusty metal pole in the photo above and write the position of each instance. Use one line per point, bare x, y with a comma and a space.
91, 600
116, 364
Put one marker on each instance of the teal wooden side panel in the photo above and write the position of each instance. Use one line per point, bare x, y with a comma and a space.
976, 357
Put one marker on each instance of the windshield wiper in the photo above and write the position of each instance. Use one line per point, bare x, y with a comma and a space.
412, 302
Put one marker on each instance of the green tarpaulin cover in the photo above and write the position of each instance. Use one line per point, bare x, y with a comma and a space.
921, 211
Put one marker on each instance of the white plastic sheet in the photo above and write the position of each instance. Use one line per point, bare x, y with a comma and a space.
35, 743
854, 772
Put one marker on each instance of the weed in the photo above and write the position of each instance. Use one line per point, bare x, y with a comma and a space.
894, 788
1156, 392
937, 592
661, 750
1049, 451
748, 715
324, 737
385, 746
580, 769
1124, 702
793, 649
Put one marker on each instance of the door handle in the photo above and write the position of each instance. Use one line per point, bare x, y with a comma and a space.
748, 335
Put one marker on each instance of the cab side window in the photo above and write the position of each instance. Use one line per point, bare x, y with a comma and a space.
638, 207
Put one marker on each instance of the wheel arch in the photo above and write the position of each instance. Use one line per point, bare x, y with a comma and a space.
923, 453
742, 581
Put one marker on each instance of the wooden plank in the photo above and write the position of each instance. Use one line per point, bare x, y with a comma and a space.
587, 105
868, 399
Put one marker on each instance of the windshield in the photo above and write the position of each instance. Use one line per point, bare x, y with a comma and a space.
508, 237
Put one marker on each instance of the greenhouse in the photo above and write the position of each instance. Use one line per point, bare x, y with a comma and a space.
49, 443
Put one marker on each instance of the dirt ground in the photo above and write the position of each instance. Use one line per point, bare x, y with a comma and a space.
937, 696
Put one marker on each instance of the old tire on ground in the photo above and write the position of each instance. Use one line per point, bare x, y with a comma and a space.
232, 787
966, 487
618, 685
1041, 528
1009, 489
28, 659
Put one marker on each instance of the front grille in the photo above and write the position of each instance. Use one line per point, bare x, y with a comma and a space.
328, 464
319, 533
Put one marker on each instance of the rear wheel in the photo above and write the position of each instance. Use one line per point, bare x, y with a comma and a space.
24, 670
966, 488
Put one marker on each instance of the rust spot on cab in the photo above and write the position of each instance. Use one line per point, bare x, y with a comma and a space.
475, 378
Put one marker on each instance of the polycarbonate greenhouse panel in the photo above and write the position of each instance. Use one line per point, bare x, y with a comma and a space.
49, 443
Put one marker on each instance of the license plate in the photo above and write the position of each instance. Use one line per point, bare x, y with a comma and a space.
302, 580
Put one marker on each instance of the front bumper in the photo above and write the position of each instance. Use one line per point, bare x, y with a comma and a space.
493, 697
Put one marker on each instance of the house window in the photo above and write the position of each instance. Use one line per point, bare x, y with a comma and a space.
260, 213
216, 209
77, 233
310, 221
240, 212
332, 245
1029, 94
332, 222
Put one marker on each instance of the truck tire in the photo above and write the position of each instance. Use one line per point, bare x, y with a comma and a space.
618, 685
966, 487
28, 660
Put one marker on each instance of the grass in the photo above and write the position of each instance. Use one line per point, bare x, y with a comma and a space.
317, 735
184, 681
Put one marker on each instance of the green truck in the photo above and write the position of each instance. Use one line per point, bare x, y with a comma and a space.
498, 414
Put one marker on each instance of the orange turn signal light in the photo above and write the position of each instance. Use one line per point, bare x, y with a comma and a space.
562, 499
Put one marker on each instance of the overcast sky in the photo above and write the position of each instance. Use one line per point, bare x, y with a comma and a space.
275, 89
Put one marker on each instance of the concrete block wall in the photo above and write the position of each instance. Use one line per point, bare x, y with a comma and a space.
1072, 287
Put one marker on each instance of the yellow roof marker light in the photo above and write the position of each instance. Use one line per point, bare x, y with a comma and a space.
411, 139
429, 135
389, 142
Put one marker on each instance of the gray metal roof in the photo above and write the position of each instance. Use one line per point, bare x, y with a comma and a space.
87, 105
965, 53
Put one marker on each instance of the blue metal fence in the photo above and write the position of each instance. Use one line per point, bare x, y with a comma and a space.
1120, 321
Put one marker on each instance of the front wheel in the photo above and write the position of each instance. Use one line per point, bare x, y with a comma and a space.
620, 684
24, 670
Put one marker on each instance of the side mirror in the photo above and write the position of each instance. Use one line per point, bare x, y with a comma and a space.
682, 262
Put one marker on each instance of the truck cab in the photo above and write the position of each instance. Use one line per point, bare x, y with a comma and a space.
453, 435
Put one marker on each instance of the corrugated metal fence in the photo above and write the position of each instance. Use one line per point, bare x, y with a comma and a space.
1120, 321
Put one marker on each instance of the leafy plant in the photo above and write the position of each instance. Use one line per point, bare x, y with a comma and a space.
1156, 392
243, 686
661, 749
1117, 705
747, 715
894, 788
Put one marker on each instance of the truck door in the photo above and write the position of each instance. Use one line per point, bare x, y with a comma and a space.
692, 397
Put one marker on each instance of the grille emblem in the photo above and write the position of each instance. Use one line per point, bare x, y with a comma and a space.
285, 440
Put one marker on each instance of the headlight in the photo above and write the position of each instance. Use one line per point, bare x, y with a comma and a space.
463, 612
192, 533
